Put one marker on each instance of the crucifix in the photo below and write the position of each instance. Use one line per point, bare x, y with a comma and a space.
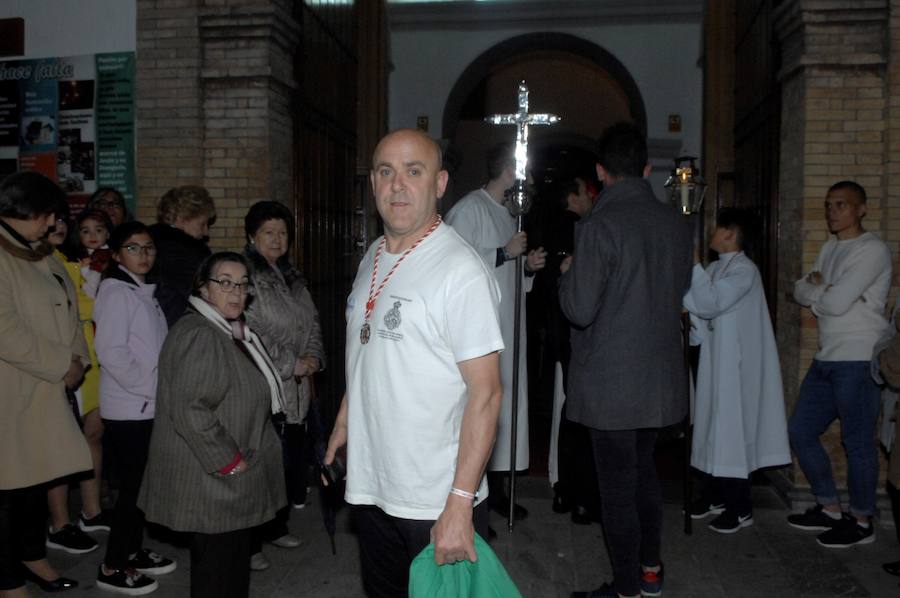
522, 120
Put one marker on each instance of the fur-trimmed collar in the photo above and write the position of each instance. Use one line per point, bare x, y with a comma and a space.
260, 266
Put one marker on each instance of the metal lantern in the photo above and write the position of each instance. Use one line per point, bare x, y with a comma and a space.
686, 187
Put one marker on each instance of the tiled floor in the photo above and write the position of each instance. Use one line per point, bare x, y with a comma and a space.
548, 556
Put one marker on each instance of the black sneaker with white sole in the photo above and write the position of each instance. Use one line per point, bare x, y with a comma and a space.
847, 533
150, 563
101, 522
71, 539
703, 508
813, 519
126, 581
730, 522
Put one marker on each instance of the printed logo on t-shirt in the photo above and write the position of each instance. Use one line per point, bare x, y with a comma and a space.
392, 317
392, 321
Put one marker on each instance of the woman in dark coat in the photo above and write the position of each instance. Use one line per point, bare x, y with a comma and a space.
283, 314
215, 465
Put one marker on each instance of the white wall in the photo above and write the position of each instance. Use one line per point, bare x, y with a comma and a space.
662, 59
74, 27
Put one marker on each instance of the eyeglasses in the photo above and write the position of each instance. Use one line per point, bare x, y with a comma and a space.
105, 204
228, 286
135, 249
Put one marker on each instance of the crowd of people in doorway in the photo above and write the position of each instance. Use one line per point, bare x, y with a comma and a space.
135, 350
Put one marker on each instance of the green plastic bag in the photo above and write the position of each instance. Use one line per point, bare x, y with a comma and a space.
485, 578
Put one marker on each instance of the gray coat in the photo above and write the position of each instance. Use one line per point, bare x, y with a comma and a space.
631, 267
212, 402
282, 313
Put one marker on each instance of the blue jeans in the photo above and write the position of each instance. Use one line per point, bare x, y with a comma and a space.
841, 390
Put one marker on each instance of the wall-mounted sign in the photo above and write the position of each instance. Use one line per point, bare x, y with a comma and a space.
71, 119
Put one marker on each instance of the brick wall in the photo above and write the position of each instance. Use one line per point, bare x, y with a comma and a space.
215, 78
835, 119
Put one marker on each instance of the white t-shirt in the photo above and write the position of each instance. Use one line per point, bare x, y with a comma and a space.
849, 304
405, 392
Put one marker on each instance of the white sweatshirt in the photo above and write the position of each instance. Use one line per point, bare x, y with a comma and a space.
850, 302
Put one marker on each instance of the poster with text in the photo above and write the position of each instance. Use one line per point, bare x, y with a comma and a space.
71, 119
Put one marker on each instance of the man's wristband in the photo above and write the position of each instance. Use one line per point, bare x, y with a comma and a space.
463, 493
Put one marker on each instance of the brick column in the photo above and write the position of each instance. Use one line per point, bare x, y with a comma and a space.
215, 87
833, 127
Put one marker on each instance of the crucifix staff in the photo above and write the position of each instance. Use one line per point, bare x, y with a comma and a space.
522, 120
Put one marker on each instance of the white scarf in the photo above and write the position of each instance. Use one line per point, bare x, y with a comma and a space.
239, 330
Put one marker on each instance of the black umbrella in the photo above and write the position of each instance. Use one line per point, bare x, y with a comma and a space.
330, 496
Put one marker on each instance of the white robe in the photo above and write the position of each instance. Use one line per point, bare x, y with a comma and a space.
487, 225
739, 418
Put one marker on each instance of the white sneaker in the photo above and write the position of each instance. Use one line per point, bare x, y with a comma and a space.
286, 541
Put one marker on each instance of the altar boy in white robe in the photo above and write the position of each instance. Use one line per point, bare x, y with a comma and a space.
484, 221
739, 418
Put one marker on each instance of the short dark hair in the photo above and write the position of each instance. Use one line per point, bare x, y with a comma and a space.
27, 195
499, 157
743, 221
851, 186
622, 150
206, 267
125, 231
263, 211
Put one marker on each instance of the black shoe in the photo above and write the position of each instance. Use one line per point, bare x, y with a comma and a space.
813, 519
581, 516
150, 563
101, 522
730, 522
72, 540
561, 504
501, 506
126, 581
703, 508
60, 584
893, 568
604, 591
847, 533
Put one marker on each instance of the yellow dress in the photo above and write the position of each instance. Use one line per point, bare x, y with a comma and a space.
90, 388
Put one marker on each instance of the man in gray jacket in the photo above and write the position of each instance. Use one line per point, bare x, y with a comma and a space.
622, 291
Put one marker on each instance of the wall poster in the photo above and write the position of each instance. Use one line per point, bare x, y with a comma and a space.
71, 119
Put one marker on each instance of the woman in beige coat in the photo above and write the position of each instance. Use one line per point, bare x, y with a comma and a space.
42, 352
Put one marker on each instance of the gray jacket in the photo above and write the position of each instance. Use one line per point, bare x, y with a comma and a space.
283, 315
212, 402
631, 267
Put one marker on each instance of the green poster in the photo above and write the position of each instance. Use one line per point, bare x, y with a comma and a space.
115, 124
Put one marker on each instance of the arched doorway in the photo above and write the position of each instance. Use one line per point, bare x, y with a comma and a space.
567, 75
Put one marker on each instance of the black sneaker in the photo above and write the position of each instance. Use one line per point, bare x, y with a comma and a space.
126, 581
150, 563
847, 533
702, 508
101, 522
71, 539
814, 519
730, 521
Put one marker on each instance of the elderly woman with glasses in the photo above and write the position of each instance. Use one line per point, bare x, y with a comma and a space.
215, 466
284, 316
112, 203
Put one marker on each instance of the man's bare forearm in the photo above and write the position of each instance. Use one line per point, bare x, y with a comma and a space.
479, 424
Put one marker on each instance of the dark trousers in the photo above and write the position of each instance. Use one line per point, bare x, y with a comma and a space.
128, 443
577, 473
388, 545
894, 495
295, 451
23, 517
220, 565
734, 493
631, 502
